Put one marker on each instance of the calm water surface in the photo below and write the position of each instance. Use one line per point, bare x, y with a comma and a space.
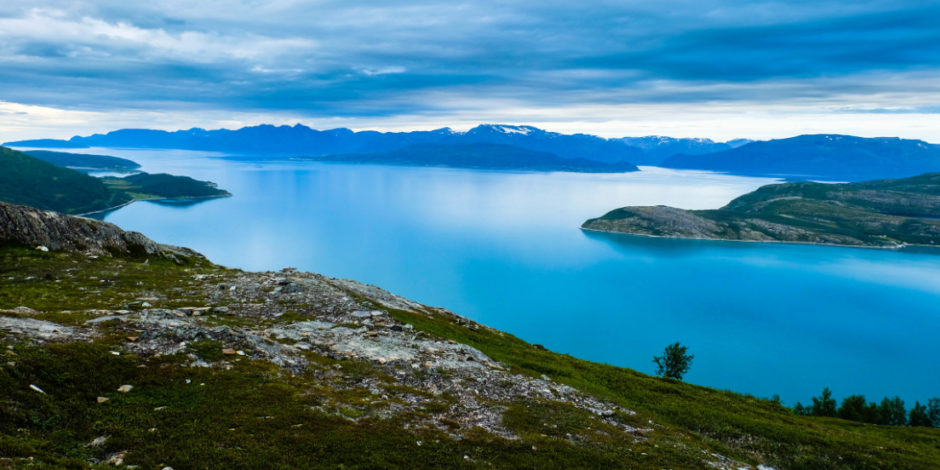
505, 249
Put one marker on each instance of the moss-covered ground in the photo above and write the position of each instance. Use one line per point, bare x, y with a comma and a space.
255, 415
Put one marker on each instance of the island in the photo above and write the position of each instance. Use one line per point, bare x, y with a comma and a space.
889, 213
30, 181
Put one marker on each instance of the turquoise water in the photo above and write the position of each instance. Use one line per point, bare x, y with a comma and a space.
505, 249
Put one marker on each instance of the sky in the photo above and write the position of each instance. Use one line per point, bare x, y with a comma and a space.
698, 68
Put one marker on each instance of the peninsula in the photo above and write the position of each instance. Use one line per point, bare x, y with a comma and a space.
25, 179
880, 213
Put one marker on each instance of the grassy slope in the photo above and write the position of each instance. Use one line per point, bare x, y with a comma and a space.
30, 181
256, 416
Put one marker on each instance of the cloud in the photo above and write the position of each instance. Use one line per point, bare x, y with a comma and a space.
383, 61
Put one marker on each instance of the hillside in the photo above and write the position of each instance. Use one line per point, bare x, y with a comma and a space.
26, 180
85, 162
881, 213
155, 357
481, 156
30, 181
829, 157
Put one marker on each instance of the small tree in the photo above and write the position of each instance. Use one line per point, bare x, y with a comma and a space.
933, 411
854, 408
674, 362
825, 405
892, 412
919, 416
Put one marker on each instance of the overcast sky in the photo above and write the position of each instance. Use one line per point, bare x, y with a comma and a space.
706, 68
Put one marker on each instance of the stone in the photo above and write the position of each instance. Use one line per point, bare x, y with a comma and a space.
117, 458
229, 352
125, 388
42, 248
36, 389
102, 399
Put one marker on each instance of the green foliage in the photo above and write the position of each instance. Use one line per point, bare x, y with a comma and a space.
674, 362
919, 416
933, 411
824, 405
28, 181
892, 412
854, 408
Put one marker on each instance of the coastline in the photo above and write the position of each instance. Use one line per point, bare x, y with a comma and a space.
775, 242
186, 198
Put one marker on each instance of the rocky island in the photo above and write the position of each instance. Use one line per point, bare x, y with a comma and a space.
118, 351
880, 213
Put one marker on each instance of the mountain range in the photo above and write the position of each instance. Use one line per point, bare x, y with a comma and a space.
824, 156
301, 140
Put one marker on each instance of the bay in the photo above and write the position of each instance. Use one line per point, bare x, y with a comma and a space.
505, 249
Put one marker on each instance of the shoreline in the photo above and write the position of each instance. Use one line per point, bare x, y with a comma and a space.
114, 208
775, 242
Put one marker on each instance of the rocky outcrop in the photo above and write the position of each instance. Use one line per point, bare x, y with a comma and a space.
59, 232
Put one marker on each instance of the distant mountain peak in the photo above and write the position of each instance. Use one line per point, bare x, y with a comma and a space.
506, 129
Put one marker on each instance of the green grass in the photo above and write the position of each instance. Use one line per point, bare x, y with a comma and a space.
732, 424
258, 416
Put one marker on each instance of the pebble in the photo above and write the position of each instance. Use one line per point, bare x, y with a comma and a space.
42, 248
125, 388
228, 351
102, 399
